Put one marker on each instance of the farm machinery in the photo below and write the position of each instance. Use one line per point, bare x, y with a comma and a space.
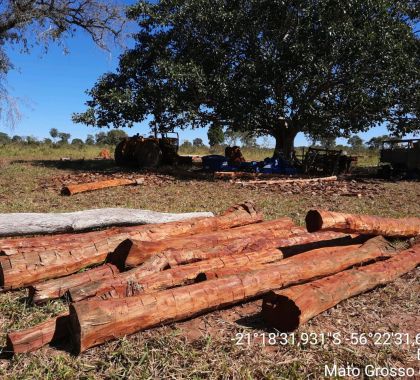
149, 152
400, 157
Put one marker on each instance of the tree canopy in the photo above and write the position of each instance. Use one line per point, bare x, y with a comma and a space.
321, 67
28, 22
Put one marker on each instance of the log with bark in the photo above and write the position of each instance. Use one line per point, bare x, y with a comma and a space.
26, 269
292, 180
57, 288
172, 258
53, 330
139, 280
140, 251
90, 186
235, 216
299, 241
15, 224
96, 321
362, 224
288, 309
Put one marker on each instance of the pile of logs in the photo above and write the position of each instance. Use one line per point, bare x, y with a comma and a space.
138, 277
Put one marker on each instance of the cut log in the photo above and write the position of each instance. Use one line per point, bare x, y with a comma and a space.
96, 321
362, 224
298, 242
26, 269
138, 280
293, 180
140, 251
15, 224
288, 309
90, 186
221, 272
53, 330
57, 288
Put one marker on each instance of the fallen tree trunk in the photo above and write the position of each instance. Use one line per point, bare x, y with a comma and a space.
288, 309
140, 251
14, 224
52, 330
295, 180
90, 186
58, 287
96, 321
26, 269
362, 224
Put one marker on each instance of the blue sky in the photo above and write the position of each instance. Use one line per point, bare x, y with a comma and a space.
52, 86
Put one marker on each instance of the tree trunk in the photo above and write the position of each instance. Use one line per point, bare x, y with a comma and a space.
52, 330
285, 137
15, 224
57, 288
95, 322
140, 251
362, 224
26, 269
288, 309
83, 187
295, 180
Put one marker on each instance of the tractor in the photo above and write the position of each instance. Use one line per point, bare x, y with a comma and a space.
149, 152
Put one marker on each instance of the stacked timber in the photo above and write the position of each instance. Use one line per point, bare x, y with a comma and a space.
135, 278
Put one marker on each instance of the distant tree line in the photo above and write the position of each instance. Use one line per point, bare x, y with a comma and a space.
58, 138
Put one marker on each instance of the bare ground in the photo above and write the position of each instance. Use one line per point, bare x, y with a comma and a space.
231, 343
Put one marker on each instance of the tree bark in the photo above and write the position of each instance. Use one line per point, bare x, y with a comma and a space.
52, 330
288, 309
214, 273
140, 251
243, 214
26, 269
83, 187
285, 138
362, 224
95, 322
57, 288
136, 281
15, 224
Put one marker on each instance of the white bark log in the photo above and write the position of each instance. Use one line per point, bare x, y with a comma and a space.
15, 224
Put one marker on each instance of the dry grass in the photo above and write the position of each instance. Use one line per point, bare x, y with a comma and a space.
203, 347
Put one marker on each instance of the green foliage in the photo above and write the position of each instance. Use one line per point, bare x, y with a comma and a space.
4, 138
64, 137
115, 136
54, 133
355, 142
77, 142
376, 142
324, 68
198, 142
215, 135
90, 140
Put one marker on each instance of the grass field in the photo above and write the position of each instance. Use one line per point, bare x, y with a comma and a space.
205, 347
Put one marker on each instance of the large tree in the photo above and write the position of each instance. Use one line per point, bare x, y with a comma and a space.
322, 67
28, 22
